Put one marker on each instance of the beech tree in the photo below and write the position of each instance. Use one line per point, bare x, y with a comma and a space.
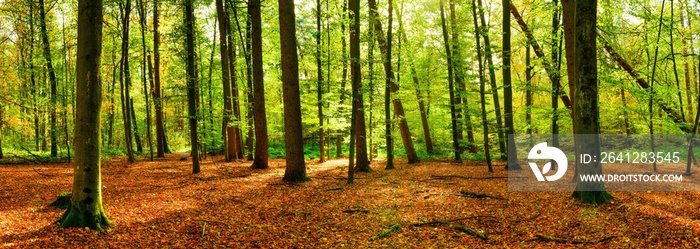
261, 140
191, 83
86, 209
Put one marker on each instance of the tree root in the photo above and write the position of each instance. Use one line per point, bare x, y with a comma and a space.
465, 229
542, 237
477, 195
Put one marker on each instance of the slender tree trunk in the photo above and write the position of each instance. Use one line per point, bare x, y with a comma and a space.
142, 21
295, 169
139, 147
111, 87
460, 100
125, 81
228, 129
456, 128
625, 115
675, 68
261, 139
339, 139
556, 79
32, 76
161, 144
482, 89
387, 90
586, 99
398, 106
528, 92
249, 81
191, 83
508, 90
494, 87
319, 80
52, 78
651, 87
687, 59
238, 134
86, 204
355, 73
362, 164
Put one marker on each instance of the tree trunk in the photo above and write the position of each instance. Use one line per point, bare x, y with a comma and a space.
387, 88
32, 76
234, 87
528, 92
261, 139
675, 68
339, 139
52, 78
319, 80
125, 81
228, 129
482, 89
355, 73
398, 106
142, 21
112, 104
494, 87
557, 78
587, 115
249, 83
191, 83
456, 127
508, 90
86, 204
161, 145
295, 170
139, 147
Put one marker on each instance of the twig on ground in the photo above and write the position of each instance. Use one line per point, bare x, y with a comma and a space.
41, 174
352, 211
335, 188
542, 237
387, 232
465, 229
478, 195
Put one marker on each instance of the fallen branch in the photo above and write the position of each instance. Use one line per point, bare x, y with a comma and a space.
38, 158
41, 174
352, 211
387, 232
478, 195
542, 237
465, 229
335, 188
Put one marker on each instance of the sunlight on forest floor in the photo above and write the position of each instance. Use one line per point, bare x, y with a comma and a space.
229, 205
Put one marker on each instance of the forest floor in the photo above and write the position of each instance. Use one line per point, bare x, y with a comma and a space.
229, 205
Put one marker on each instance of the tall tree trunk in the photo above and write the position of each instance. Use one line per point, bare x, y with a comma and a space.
587, 113
675, 68
191, 83
86, 204
421, 103
556, 79
261, 139
234, 86
482, 89
339, 139
362, 164
295, 169
319, 80
398, 106
249, 81
492, 76
508, 90
161, 144
387, 89
137, 137
52, 78
528, 92
458, 75
355, 73
229, 132
32, 76
142, 22
456, 128
111, 86
125, 81
687, 59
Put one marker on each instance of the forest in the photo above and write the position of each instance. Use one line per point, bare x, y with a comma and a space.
349, 123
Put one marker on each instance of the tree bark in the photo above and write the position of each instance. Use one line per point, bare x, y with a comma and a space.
398, 106
295, 170
482, 89
52, 78
228, 130
142, 22
355, 74
161, 144
494, 86
86, 203
508, 90
319, 81
587, 116
191, 83
125, 81
261, 140
234, 85
456, 128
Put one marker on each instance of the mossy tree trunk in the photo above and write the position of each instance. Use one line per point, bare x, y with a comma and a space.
587, 115
295, 170
86, 204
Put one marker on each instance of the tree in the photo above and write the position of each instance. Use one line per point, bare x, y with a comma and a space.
398, 106
587, 115
482, 89
228, 130
191, 83
362, 164
508, 90
86, 209
161, 143
492, 76
52, 76
319, 80
461, 105
355, 74
142, 22
125, 81
456, 130
295, 171
261, 140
